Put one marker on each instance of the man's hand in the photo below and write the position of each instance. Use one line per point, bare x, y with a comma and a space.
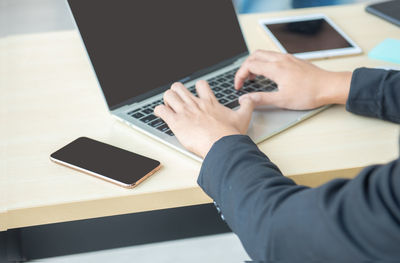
198, 122
301, 84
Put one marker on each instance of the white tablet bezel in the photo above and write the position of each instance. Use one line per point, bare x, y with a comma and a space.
355, 49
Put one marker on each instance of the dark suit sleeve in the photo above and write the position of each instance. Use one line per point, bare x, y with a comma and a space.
342, 220
375, 93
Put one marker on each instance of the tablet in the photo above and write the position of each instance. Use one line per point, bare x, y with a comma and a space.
309, 36
389, 11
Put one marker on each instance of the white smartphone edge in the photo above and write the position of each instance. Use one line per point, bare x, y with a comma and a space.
105, 178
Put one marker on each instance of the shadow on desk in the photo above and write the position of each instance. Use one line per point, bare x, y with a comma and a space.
109, 232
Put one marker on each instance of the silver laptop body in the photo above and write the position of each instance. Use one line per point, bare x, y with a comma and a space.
117, 41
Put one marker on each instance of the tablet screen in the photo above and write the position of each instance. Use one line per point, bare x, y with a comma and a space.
308, 36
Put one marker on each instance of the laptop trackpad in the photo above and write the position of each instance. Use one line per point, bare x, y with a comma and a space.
269, 120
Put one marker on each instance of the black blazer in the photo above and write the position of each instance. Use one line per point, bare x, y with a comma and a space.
341, 221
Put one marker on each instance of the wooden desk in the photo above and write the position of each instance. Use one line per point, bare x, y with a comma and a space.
49, 96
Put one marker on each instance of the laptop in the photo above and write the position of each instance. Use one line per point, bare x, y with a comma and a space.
139, 48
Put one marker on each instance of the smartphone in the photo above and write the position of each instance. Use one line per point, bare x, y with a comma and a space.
106, 162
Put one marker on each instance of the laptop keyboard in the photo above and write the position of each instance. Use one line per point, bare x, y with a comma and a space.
223, 89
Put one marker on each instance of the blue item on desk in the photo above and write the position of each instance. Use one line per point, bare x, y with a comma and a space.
387, 50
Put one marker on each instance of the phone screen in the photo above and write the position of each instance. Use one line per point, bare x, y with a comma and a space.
106, 161
307, 36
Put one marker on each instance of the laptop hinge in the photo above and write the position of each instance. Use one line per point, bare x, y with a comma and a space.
240, 60
195, 75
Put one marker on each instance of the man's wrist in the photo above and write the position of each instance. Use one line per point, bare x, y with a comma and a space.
207, 147
337, 88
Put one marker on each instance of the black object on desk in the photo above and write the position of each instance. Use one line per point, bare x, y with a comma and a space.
390, 11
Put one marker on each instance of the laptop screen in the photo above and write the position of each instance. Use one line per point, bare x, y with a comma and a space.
138, 46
